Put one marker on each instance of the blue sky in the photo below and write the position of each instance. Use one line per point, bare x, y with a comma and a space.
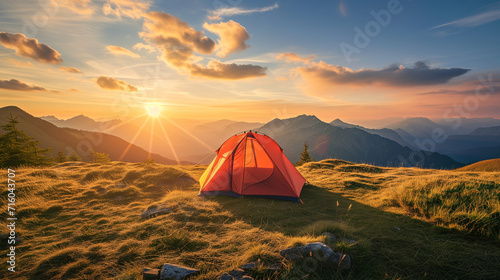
275, 59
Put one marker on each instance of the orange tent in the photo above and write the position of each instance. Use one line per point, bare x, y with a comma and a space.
252, 164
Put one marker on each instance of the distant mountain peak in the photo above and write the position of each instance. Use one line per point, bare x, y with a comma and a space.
80, 117
49, 118
340, 123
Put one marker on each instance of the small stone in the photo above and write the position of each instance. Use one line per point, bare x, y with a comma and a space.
150, 274
237, 273
173, 271
249, 266
320, 252
329, 237
225, 276
154, 212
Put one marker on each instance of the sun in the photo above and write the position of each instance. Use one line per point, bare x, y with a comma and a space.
153, 110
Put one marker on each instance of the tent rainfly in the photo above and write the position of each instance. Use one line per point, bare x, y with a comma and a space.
252, 164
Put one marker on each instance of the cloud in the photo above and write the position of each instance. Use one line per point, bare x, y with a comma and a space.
292, 57
393, 75
343, 8
14, 84
71, 70
225, 11
114, 84
179, 43
117, 50
175, 38
218, 70
126, 8
474, 20
81, 7
29, 47
19, 63
140, 46
232, 37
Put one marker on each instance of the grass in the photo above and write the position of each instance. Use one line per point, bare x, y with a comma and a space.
82, 221
490, 165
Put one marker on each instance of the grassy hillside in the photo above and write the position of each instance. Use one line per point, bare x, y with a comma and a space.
491, 165
82, 221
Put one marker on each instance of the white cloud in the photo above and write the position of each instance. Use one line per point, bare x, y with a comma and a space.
474, 20
222, 12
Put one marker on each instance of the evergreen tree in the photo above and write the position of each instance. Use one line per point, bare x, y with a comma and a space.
100, 157
74, 157
304, 155
17, 148
61, 157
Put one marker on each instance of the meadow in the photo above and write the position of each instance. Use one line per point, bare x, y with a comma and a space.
83, 221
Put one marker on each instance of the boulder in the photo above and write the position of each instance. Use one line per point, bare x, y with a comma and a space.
173, 271
237, 273
320, 252
225, 276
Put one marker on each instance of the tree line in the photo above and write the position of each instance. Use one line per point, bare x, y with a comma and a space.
19, 149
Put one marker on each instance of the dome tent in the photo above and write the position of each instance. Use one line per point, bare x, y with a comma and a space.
252, 164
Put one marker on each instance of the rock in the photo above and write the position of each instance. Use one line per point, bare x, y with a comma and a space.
329, 237
173, 271
226, 276
249, 266
150, 274
320, 252
154, 212
237, 273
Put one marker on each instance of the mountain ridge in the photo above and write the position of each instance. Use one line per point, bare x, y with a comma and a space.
69, 141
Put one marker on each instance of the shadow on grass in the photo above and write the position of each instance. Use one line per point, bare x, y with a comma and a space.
389, 245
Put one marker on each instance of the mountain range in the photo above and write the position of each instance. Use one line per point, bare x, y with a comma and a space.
465, 140
70, 141
347, 143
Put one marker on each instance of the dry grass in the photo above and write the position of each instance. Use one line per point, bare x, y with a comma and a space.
82, 221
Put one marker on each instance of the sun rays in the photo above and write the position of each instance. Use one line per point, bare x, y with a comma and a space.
153, 117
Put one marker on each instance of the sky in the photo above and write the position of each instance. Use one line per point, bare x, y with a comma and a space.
251, 60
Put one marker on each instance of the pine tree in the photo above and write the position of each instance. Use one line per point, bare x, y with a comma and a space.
304, 155
74, 157
61, 157
17, 148
100, 157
